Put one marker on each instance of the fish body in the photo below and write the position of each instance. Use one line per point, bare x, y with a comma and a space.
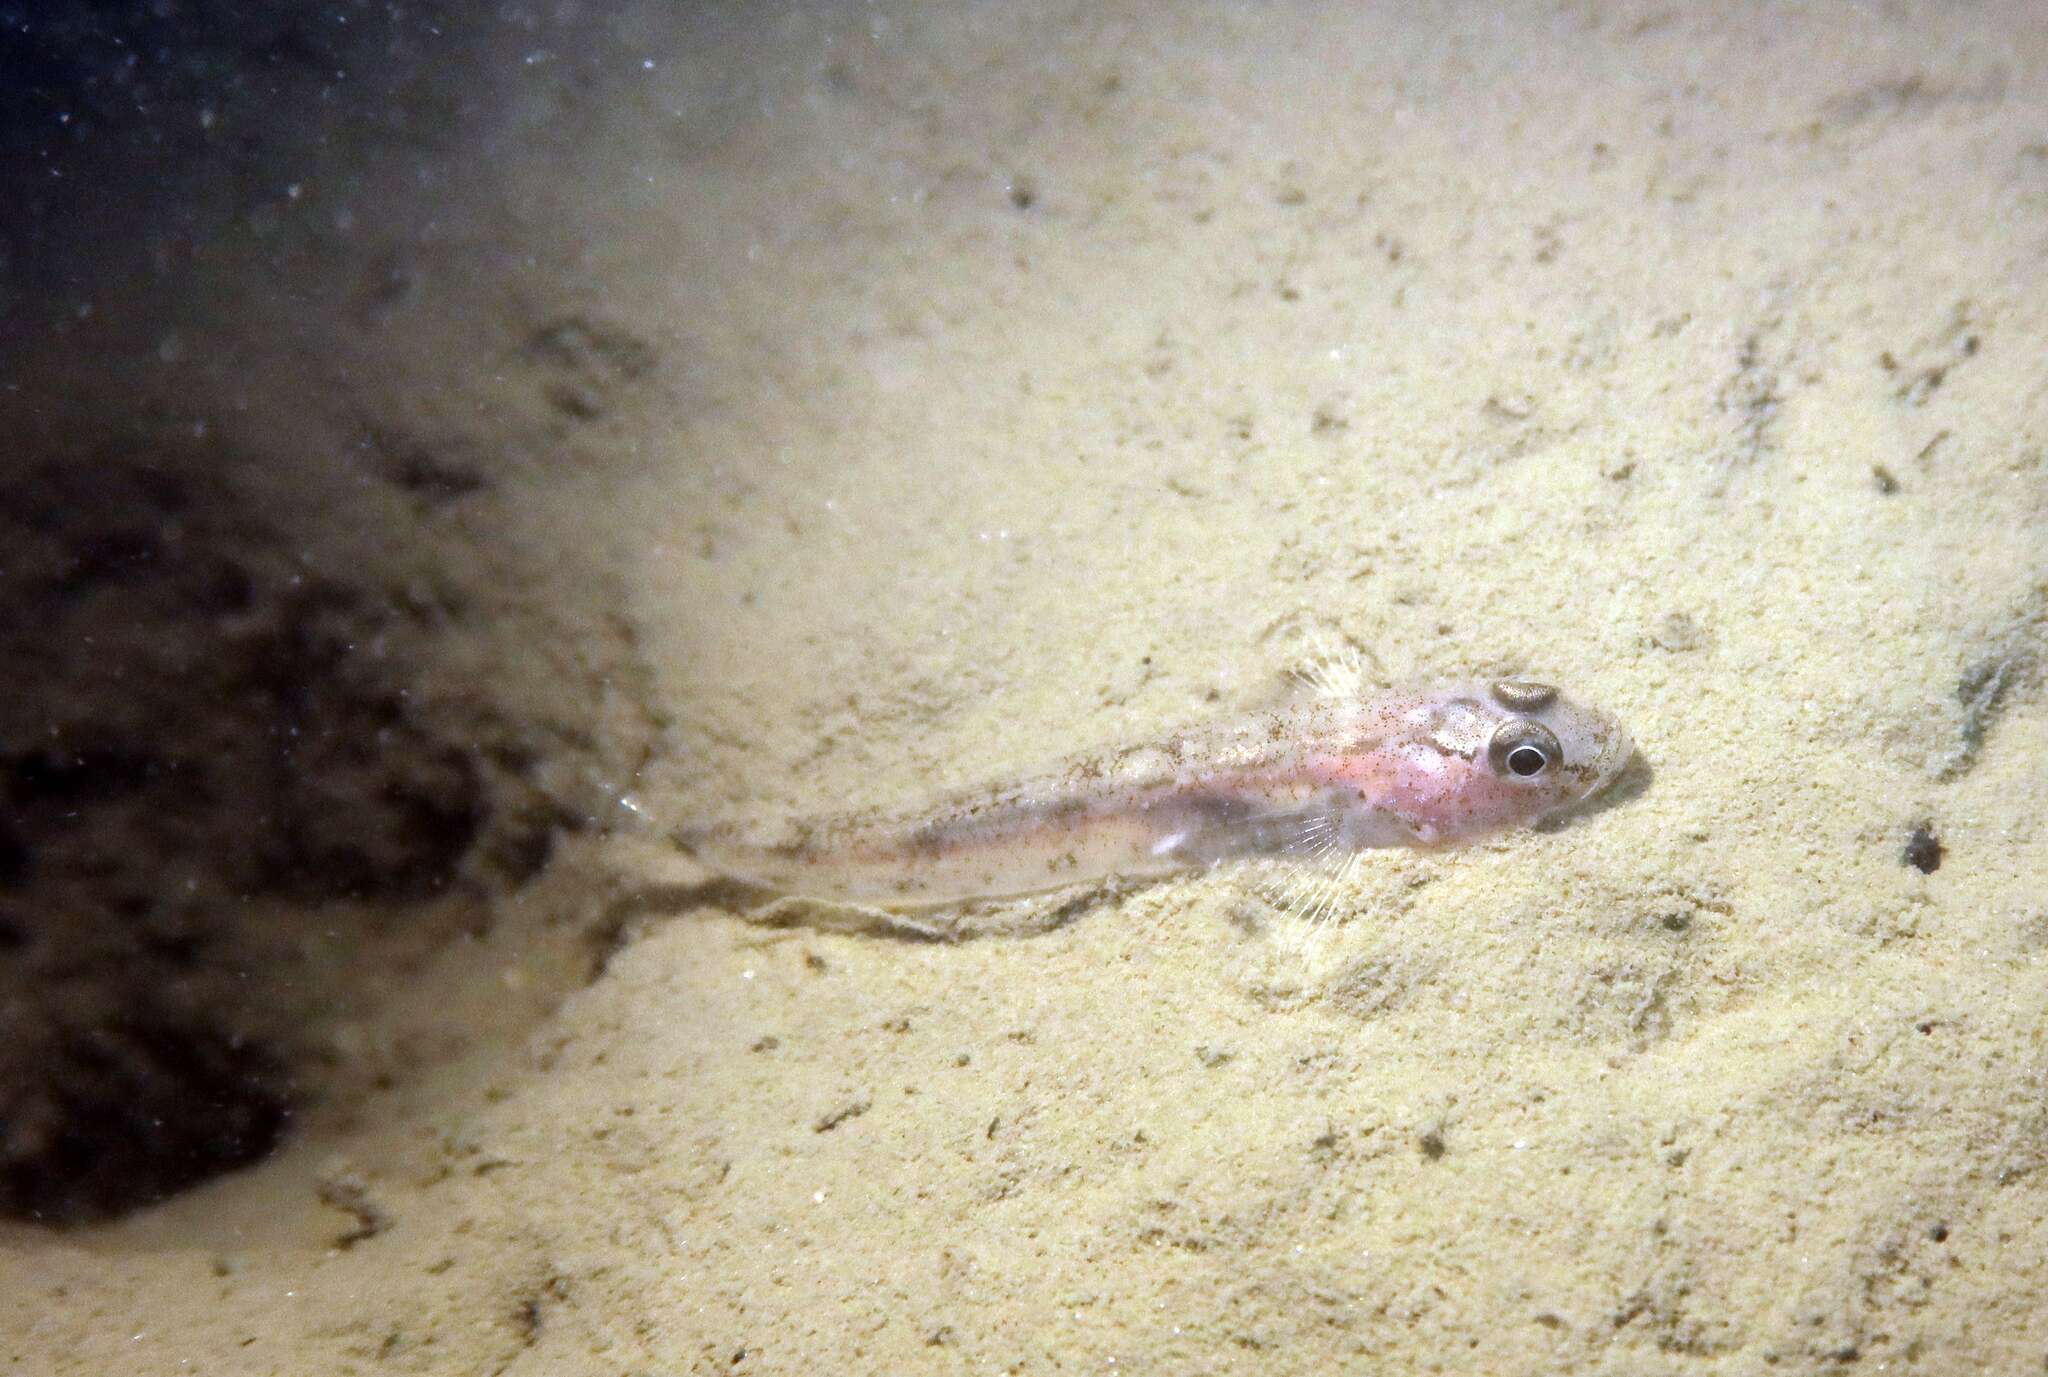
1324, 778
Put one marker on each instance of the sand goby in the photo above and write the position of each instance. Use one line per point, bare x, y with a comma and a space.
1319, 781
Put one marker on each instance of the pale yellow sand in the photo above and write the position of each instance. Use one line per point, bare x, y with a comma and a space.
1023, 380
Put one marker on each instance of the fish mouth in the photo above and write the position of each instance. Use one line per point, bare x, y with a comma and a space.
1608, 765
1615, 754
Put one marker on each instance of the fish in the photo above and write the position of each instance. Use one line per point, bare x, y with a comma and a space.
1319, 782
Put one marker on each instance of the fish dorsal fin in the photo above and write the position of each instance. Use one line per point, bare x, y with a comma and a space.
1337, 668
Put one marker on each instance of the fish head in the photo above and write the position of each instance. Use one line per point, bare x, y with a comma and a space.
1551, 750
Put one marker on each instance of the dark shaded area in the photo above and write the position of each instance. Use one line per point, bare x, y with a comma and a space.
585, 361
1984, 692
212, 759
136, 1109
352, 1197
1923, 850
140, 136
71, 70
191, 675
423, 471
248, 775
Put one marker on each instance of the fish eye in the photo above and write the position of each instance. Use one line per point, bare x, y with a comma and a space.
1523, 748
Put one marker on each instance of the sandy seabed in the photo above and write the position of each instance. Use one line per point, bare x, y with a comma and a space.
713, 412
